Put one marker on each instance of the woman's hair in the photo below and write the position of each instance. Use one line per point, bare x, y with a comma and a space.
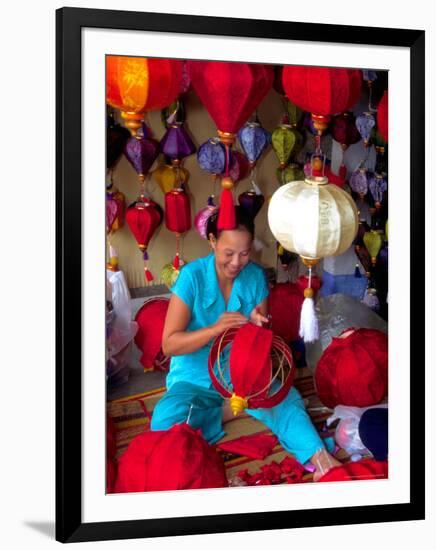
243, 221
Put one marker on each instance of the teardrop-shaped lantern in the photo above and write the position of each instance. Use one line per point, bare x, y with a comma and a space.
359, 182
259, 372
377, 186
364, 124
202, 217
176, 143
373, 243
139, 84
170, 177
295, 114
291, 172
211, 156
141, 153
254, 140
285, 141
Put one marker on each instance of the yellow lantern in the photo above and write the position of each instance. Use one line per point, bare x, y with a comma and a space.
314, 219
170, 176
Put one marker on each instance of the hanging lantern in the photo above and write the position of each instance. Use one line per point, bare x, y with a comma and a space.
382, 116
285, 141
138, 84
141, 152
353, 369
202, 217
115, 212
359, 182
254, 140
284, 305
364, 124
373, 243
116, 138
259, 372
314, 219
251, 202
291, 172
322, 91
230, 92
143, 218
176, 143
150, 462
377, 186
211, 156
170, 274
239, 167
151, 319
177, 217
294, 113
344, 129
168, 177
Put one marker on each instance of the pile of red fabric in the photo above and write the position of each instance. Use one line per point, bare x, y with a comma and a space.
360, 470
288, 470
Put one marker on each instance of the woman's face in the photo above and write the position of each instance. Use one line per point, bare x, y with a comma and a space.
232, 251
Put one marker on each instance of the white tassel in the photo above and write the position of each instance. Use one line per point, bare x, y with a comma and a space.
309, 329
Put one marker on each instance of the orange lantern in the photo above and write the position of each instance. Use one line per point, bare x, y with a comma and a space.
139, 84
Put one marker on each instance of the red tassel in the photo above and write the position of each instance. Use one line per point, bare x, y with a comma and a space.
148, 274
226, 217
176, 261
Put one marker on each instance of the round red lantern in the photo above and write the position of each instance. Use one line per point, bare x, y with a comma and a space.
284, 304
382, 116
353, 369
139, 84
357, 471
151, 320
177, 217
143, 218
322, 91
178, 458
250, 378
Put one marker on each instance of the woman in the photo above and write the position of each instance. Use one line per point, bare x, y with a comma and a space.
221, 291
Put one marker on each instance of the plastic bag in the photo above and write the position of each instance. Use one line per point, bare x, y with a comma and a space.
347, 431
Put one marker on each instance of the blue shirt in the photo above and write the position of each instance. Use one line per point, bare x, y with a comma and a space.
197, 285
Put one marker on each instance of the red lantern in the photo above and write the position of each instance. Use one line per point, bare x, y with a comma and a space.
322, 91
143, 218
111, 449
151, 320
178, 458
230, 92
177, 217
382, 116
353, 370
357, 471
284, 303
250, 369
139, 84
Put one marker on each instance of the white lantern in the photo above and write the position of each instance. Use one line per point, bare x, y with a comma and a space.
314, 219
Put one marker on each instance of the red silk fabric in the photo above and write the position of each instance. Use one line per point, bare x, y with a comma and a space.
382, 116
354, 370
178, 458
143, 220
361, 470
322, 90
139, 84
257, 446
151, 320
230, 91
177, 211
284, 304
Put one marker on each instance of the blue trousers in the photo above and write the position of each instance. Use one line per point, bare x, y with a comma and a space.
202, 409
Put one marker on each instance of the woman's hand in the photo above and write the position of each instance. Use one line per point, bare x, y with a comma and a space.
257, 318
230, 319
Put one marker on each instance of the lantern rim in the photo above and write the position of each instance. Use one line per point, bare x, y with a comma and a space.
316, 180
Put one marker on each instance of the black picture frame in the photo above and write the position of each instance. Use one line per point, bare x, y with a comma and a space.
69, 525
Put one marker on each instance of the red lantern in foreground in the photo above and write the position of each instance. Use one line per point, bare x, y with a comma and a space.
139, 84
151, 320
284, 303
178, 458
255, 381
177, 217
357, 471
382, 116
353, 370
322, 91
143, 218
230, 92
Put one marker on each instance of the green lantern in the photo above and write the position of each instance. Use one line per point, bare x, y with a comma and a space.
294, 113
373, 243
289, 173
286, 141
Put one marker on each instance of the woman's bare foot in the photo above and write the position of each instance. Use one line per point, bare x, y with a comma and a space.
323, 462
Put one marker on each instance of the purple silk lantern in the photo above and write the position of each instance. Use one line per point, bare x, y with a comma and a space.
251, 202
141, 153
111, 211
202, 217
176, 143
359, 182
211, 156
377, 186
254, 140
365, 123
